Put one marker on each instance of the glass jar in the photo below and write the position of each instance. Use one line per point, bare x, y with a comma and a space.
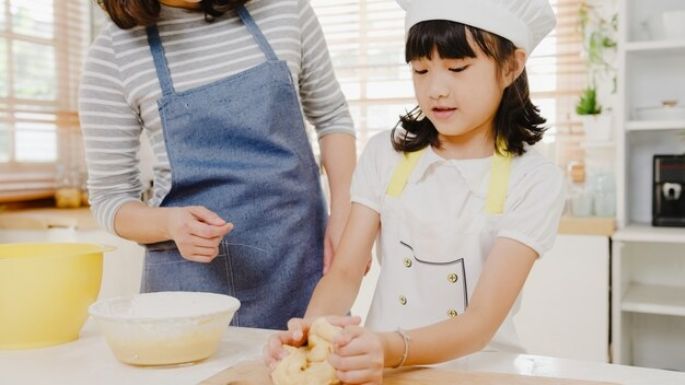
68, 193
603, 194
580, 197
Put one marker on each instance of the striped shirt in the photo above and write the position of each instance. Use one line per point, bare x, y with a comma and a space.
119, 88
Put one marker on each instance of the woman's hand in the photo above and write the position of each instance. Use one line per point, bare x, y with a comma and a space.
197, 232
358, 356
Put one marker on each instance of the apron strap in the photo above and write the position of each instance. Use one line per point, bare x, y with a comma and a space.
499, 183
402, 172
163, 73
497, 189
155, 43
256, 33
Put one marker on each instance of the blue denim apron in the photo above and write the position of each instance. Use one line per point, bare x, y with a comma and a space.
238, 146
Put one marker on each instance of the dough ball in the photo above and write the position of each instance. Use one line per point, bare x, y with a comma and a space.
324, 329
318, 349
291, 367
321, 373
309, 365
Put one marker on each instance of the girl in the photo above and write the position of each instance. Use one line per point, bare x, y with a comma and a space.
218, 87
463, 204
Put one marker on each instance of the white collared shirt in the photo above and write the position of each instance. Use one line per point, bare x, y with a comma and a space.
440, 212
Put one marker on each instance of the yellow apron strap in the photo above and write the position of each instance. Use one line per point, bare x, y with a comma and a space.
402, 172
499, 183
497, 189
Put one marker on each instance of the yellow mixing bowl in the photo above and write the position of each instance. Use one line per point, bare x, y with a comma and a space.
45, 291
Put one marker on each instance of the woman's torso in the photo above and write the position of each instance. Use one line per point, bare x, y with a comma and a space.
198, 53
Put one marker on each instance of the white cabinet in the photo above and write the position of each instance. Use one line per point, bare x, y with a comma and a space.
648, 263
649, 302
122, 268
565, 301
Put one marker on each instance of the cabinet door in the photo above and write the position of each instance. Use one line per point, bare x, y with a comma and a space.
565, 305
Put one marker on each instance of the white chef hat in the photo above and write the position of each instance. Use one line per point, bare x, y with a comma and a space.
524, 22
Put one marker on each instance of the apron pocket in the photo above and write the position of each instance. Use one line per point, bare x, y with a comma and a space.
166, 270
432, 252
441, 280
161, 246
251, 271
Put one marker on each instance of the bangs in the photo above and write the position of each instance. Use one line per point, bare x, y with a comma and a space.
448, 37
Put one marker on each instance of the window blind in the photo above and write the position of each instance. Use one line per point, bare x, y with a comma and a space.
366, 42
42, 43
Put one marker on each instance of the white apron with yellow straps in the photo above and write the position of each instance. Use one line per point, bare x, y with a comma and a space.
435, 237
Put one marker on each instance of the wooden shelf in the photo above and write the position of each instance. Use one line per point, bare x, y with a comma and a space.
587, 226
653, 299
598, 144
655, 125
47, 218
655, 47
647, 233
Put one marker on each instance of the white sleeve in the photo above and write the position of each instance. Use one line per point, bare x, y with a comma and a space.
369, 180
538, 200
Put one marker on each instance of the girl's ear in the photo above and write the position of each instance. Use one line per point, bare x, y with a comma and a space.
516, 66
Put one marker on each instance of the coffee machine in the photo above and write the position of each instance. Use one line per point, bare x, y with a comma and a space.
668, 194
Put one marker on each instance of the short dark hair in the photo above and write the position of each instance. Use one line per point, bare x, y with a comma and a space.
131, 13
517, 120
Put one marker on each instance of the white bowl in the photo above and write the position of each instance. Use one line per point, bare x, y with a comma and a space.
164, 328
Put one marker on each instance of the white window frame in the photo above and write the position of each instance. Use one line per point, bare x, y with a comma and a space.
21, 180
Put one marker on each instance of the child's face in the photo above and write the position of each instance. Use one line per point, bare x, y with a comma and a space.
459, 96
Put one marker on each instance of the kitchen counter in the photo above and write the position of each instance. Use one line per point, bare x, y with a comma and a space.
48, 218
89, 361
82, 219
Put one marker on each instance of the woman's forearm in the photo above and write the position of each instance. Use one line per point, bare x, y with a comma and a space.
338, 156
140, 223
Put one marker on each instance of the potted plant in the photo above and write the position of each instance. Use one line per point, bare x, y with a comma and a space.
598, 24
588, 105
597, 126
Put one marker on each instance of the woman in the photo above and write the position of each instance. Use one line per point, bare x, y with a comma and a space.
218, 88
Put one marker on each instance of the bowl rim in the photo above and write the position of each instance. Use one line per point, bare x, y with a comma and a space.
233, 302
97, 249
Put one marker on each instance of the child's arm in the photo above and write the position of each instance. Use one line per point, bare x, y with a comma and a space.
360, 355
500, 283
336, 291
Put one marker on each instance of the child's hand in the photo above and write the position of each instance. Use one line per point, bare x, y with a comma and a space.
296, 335
358, 356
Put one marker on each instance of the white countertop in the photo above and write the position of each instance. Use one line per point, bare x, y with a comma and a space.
88, 361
